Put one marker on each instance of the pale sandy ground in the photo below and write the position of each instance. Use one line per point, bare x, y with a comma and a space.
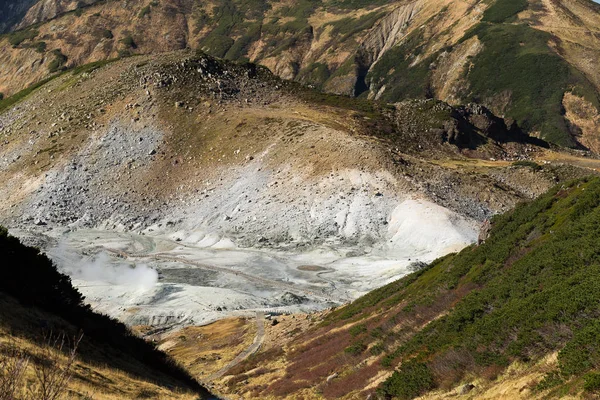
192, 278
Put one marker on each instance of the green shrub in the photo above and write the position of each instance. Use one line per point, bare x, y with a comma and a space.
346, 27
551, 379
58, 63
123, 53
144, 11
356, 349
128, 42
315, 74
530, 164
90, 67
591, 381
241, 45
357, 329
216, 45
18, 37
377, 349
107, 34
40, 47
413, 379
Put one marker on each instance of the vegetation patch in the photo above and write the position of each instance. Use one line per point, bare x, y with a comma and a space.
58, 64
517, 60
502, 10
315, 74
530, 289
348, 26
18, 37
398, 72
529, 164
5, 103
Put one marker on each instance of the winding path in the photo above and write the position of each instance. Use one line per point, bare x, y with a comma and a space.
253, 348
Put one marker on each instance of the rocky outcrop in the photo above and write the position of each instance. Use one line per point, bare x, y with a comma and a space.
388, 33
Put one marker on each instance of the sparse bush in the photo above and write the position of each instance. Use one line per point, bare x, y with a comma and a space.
18, 37
128, 42
13, 365
144, 11
59, 61
526, 163
357, 329
40, 47
52, 373
591, 381
107, 34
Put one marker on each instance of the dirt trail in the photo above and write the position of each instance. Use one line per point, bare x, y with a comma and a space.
583, 162
253, 348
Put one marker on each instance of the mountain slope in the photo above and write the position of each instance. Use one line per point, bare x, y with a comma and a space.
152, 158
389, 50
527, 292
207, 124
38, 301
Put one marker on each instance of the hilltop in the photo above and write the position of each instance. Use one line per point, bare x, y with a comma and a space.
387, 50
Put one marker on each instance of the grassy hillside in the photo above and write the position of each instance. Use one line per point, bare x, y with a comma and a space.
519, 73
530, 290
37, 301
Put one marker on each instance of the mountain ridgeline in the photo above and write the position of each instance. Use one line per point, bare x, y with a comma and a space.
528, 291
530, 62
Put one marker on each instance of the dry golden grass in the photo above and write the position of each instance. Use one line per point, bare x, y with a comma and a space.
204, 350
90, 381
515, 383
556, 157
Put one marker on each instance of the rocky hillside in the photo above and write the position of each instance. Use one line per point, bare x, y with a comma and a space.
513, 317
387, 50
184, 141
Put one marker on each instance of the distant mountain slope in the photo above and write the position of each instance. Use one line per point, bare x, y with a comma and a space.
529, 291
36, 300
12, 13
530, 62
